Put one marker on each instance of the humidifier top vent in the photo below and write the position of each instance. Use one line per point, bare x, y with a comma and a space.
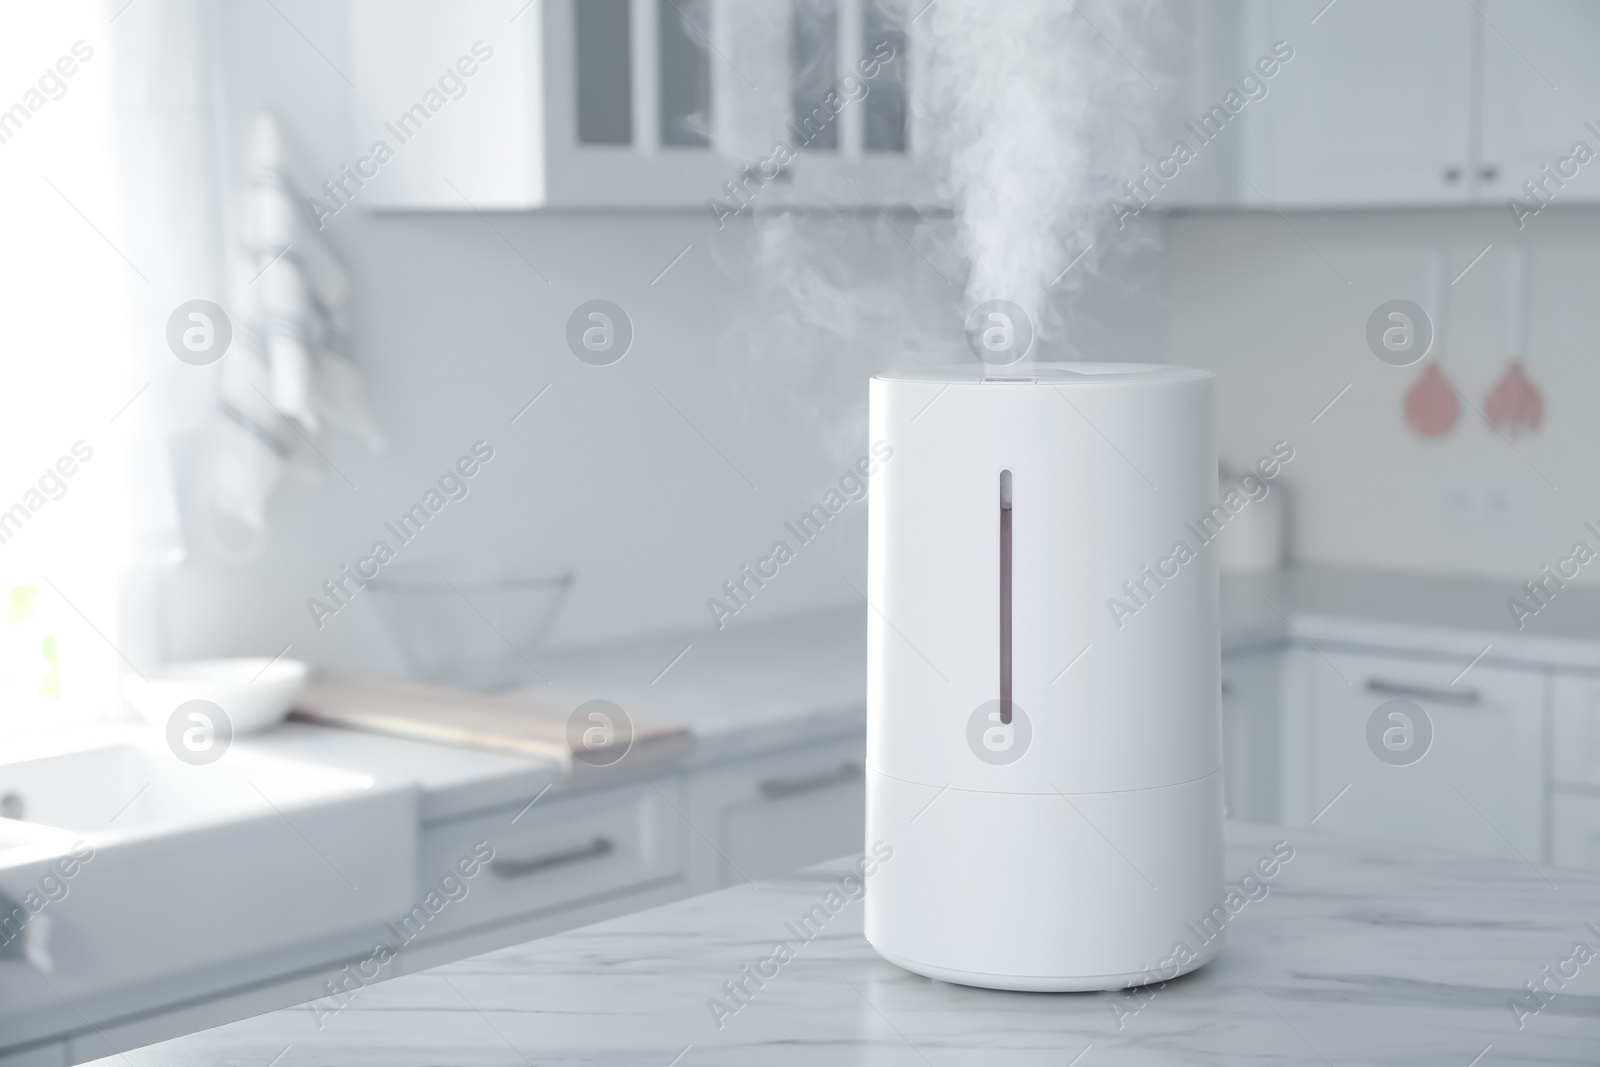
1047, 373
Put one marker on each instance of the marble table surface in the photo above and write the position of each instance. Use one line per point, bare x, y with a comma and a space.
1358, 953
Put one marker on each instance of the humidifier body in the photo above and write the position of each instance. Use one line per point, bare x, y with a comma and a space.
1043, 731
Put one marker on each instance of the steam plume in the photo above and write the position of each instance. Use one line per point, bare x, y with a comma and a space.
1042, 105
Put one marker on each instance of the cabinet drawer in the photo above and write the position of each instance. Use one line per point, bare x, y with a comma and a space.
1478, 787
774, 814
557, 853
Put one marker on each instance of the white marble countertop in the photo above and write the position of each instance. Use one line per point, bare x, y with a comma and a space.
1359, 953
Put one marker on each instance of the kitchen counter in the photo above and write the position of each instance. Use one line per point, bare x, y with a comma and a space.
1359, 953
768, 694
760, 687
1449, 614
749, 691
800, 679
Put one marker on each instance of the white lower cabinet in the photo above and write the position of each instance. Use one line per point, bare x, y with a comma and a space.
1409, 749
773, 814
52, 1055
756, 817
1575, 771
553, 854
1575, 754
1252, 734
1575, 826
574, 857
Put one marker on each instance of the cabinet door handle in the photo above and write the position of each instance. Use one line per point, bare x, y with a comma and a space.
1452, 174
506, 868
774, 788
1424, 692
1488, 172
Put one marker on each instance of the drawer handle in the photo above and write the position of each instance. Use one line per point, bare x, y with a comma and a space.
1424, 692
774, 788
600, 846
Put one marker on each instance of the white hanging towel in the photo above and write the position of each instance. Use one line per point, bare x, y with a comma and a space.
286, 382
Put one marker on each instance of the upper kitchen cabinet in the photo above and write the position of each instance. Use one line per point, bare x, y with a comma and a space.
1404, 102
512, 104
1541, 96
1375, 107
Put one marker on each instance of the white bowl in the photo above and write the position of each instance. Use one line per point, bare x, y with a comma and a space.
253, 693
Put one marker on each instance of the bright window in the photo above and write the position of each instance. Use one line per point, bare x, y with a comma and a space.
64, 289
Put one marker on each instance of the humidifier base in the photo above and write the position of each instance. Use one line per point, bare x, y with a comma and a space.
1034, 983
1046, 890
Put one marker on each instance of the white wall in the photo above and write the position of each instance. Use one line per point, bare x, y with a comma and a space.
765, 342
1255, 301
763, 335
602, 475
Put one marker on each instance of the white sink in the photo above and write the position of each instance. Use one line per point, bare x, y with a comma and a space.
129, 787
18, 836
193, 869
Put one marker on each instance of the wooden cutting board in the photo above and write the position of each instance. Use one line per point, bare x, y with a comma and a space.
543, 728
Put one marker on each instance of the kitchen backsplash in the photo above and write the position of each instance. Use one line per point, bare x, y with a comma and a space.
1279, 310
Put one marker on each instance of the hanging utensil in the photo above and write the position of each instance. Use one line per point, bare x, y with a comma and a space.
1432, 407
1515, 405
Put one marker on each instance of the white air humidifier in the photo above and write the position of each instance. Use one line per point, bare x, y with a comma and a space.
1043, 737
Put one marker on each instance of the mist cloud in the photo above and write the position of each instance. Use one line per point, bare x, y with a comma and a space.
1042, 107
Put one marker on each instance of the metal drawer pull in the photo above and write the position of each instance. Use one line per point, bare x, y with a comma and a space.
774, 788
1424, 692
600, 846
